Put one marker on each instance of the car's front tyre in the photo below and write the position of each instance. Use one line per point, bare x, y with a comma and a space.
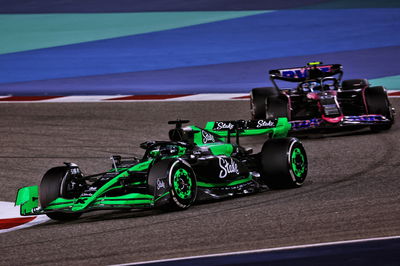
353, 84
283, 163
181, 183
53, 187
377, 102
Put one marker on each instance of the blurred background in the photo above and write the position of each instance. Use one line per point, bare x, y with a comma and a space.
101, 47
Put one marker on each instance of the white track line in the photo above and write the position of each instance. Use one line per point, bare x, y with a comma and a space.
265, 250
77, 99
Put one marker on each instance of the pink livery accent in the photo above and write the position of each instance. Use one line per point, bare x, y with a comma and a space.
313, 96
333, 120
365, 99
289, 106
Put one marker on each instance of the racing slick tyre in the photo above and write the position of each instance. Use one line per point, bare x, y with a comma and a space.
257, 101
377, 102
176, 178
51, 187
352, 84
283, 163
276, 106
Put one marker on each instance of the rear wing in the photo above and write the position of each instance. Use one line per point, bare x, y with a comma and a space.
275, 127
312, 71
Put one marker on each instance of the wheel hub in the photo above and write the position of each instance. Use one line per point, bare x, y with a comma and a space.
182, 184
298, 162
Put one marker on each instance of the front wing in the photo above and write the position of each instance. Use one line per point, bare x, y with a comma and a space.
346, 121
27, 198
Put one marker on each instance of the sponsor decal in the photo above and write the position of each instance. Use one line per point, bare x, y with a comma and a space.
260, 123
228, 166
301, 72
365, 118
264, 123
223, 125
89, 192
235, 188
160, 184
198, 152
207, 137
316, 122
74, 171
302, 124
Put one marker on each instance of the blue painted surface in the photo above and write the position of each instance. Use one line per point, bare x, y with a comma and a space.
371, 253
265, 36
228, 77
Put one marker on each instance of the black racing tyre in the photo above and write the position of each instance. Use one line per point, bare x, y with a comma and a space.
50, 189
257, 101
352, 84
378, 103
181, 183
283, 163
276, 106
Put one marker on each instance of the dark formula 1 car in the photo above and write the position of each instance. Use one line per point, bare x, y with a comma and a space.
321, 102
195, 164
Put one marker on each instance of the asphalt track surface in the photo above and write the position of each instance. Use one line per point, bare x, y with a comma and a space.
352, 190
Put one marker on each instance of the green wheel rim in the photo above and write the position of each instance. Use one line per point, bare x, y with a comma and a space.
298, 162
182, 184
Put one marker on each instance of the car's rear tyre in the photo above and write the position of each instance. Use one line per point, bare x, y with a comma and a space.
257, 101
51, 188
352, 84
378, 103
284, 163
276, 106
182, 184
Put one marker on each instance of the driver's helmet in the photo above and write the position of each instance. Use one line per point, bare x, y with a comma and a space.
310, 86
168, 150
313, 85
163, 150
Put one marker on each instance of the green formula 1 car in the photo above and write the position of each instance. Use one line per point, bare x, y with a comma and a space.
195, 164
